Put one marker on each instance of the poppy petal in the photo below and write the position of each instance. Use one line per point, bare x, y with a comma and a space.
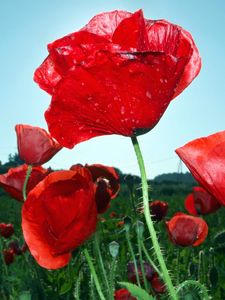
113, 99
205, 159
58, 216
131, 33
105, 24
35, 145
12, 181
176, 41
190, 205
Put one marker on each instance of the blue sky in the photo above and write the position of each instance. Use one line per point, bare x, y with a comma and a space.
28, 26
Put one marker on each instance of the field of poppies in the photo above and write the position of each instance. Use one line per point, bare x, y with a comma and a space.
22, 278
91, 232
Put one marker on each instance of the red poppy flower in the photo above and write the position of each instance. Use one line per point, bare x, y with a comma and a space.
58, 216
185, 230
117, 75
123, 294
158, 209
14, 245
200, 202
12, 181
6, 230
205, 158
35, 145
157, 285
107, 184
131, 274
113, 214
8, 256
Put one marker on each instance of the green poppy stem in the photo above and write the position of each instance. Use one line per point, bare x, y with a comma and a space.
29, 170
155, 243
133, 258
93, 272
96, 240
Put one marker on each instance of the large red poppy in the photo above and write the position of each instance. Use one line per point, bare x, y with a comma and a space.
117, 75
107, 184
185, 230
200, 202
12, 181
35, 145
59, 215
205, 158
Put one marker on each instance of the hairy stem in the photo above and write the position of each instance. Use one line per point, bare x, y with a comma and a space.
158, 252
93, 272
133, 258
96, 239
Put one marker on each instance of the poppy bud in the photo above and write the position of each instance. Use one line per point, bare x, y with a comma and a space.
6, 230
8, 256
185, 230
35, 145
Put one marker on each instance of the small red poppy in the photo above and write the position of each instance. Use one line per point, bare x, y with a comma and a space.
113, 214
157, 285
117, 75
6, 230
8, 256
200, 202
123, 294
158, 209
131, 274
35, 145
120, 223
107, 184
185, 230
58, 216
205, 158
14, 245
12, 181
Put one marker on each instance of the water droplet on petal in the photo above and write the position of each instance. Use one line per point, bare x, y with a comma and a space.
148, 94
122, 110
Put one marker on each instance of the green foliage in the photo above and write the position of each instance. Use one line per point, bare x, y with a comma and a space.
74, 281
136, 291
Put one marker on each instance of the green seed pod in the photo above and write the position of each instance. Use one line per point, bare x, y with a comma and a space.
127, 223
114, 249
139, 227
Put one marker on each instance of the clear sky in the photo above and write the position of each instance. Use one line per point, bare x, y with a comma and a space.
28, 26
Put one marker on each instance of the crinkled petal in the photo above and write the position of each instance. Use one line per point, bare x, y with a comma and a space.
206, 160
131, 33
174, 40
108, 98
105, 24
58, 216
